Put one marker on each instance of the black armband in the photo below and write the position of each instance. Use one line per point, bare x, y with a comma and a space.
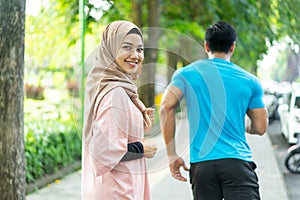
135, 151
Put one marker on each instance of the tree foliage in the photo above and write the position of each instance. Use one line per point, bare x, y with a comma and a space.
255, 21
194, 17
48, 40
258, 23
286, 15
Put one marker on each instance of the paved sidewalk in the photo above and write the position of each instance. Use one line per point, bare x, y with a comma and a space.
164, 187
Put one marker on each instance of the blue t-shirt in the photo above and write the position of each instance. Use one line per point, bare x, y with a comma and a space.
218, 94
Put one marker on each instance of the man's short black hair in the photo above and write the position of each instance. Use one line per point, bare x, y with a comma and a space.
220, 37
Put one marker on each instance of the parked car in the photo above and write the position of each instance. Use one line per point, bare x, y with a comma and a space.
289, 113
271, 102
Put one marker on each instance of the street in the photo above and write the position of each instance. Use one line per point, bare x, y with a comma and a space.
280, 147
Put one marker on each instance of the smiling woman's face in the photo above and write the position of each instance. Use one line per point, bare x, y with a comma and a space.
131, 53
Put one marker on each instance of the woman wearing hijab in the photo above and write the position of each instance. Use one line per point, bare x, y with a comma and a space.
114, 149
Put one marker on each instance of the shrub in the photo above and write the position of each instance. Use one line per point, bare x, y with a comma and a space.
34, 92
51, 139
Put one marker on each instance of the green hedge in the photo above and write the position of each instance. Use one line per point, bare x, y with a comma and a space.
52, 140
47, 152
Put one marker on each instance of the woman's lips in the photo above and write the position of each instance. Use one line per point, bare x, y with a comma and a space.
132, 63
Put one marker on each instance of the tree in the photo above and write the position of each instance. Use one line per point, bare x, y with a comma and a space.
255, 21
194, 17
293, 63
145, 14
147, 89
12, 168
286, 18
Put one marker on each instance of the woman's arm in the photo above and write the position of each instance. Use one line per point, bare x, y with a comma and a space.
135, 151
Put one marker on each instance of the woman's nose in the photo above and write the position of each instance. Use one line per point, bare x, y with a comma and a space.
134, 54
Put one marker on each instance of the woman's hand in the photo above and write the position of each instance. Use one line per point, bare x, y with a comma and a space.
151, 114
150, 148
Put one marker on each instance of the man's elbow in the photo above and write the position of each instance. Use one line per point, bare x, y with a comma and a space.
261, 132
262, 129
265, 125
164, 108
259, 121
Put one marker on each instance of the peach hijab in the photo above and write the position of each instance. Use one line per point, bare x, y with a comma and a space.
107, 75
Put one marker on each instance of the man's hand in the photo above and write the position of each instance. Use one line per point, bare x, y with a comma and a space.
175, 163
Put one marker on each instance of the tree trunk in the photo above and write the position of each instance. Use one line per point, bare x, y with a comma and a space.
12, 167
293, 62
147, 79
172, 60
137, 14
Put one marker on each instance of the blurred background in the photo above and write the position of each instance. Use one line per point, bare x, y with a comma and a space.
60, 35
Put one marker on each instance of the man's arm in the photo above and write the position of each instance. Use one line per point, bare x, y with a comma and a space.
170, 101
258, 121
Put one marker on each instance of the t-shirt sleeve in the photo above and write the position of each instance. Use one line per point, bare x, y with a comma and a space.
178, 81
257, 97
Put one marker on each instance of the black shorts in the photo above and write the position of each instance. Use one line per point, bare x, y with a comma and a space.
231, 179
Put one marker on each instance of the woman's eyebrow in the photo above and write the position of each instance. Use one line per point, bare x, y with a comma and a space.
140, 45
128, 43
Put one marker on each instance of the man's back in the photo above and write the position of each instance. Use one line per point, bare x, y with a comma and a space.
218, 94
218, 97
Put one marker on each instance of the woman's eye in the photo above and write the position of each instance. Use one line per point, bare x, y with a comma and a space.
127, 47
140, 50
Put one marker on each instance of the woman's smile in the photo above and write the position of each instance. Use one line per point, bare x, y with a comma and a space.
131, 53
133, 64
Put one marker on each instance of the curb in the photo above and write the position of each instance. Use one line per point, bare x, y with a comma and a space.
47, 179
